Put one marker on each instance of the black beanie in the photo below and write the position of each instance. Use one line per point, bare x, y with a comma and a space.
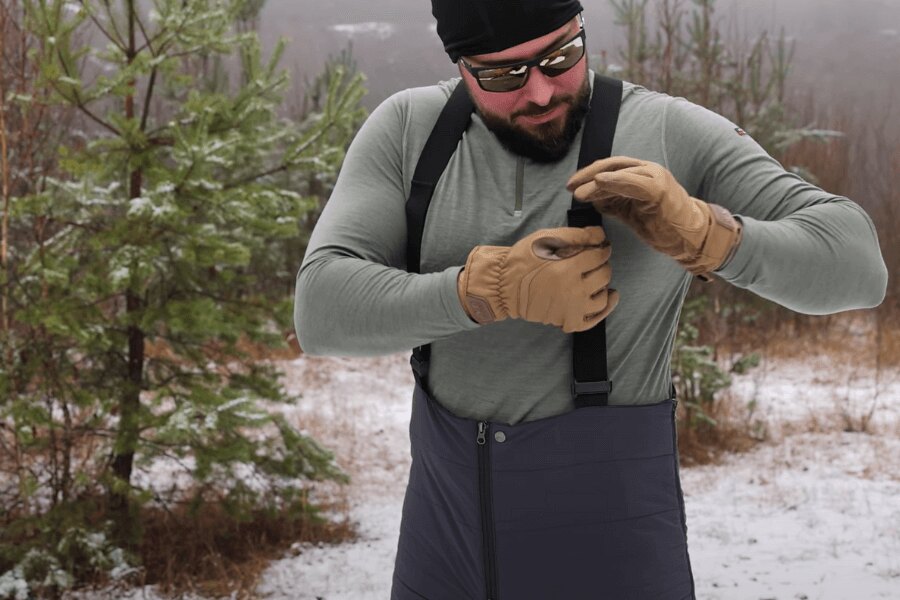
470, 27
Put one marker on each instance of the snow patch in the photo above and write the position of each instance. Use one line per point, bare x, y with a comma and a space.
376, 29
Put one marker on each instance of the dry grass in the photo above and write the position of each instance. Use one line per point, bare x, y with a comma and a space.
852, 338
706, 444
207, 551
212, 554
853, 347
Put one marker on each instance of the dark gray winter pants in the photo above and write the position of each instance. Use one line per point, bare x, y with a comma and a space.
585, 505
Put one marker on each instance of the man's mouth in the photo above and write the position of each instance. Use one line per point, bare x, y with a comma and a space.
544, 116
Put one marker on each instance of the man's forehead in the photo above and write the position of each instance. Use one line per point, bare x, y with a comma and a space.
530, 49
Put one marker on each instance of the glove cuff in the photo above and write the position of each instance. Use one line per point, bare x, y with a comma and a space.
478, 285
720, 244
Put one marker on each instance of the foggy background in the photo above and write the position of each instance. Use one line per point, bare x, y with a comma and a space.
847, 53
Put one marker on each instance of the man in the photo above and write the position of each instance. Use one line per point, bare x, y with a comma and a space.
530, 481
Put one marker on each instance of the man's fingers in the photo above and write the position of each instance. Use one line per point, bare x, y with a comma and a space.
590, 260
599, 302
591, 192
586, 236
611, 301
587, 322
570, 236
630, 183
598, 279
613, 163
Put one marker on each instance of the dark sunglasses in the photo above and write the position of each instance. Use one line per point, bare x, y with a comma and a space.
506, 78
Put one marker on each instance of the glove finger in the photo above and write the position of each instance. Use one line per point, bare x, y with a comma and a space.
566, 242
597, 280
584, 236
631, 183
587, 191
634, 182
587, 262
613, 163
588, 321
612, 299
598, 303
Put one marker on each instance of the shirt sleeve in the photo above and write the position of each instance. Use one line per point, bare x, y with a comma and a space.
353, 295
803, 248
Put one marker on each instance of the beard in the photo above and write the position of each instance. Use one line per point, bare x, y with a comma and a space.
545, 142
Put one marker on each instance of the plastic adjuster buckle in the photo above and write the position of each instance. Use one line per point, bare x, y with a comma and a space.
584, 388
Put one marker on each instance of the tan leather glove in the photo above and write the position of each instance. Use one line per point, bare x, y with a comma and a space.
553, 276
647, 197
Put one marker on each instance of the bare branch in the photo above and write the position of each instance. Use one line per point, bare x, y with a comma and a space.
81, 106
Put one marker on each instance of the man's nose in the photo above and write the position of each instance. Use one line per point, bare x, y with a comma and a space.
538, 89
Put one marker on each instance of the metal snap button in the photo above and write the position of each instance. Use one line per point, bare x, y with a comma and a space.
500, 436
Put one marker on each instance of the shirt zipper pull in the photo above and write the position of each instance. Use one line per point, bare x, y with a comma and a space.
482, 428
520, 186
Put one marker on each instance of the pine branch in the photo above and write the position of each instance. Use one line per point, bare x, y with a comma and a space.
77, 101
255, 176
147, 97
120, 41
99, 25
147, 43
284, 166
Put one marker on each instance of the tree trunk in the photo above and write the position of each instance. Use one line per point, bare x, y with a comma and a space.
123, 513
4, 194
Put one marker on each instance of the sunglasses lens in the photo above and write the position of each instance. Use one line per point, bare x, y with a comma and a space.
563, 59
503, 80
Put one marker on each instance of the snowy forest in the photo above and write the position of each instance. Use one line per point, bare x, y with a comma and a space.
162, 433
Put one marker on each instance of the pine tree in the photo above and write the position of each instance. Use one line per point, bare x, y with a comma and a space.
134, 306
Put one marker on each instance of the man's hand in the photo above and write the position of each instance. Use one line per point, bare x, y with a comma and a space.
648, 198
553, 276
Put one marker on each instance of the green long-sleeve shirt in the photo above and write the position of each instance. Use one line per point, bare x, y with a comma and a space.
806, 249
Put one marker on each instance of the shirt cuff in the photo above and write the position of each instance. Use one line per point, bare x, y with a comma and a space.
450, 297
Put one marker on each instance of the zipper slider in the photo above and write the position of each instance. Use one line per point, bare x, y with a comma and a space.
482, 428
520, 186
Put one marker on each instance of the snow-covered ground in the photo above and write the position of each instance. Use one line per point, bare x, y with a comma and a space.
814, 514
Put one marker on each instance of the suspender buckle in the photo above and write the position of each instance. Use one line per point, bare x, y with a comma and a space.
584, 388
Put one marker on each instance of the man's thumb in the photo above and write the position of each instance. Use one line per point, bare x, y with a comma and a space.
568, 242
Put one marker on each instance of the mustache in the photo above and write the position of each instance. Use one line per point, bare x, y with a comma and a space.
534, 110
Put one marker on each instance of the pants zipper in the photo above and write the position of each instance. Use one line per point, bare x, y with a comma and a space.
487, 512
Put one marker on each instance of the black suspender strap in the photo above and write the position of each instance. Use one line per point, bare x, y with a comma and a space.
591, 385
441, 144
